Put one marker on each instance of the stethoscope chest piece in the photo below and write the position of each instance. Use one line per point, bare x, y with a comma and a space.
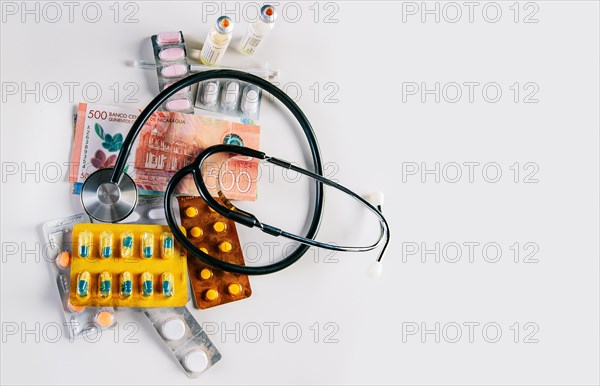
106, 201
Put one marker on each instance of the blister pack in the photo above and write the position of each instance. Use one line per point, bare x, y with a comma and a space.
231, 97
217, 236
79, 319
171, 60
149, 210
186, 339
127, 265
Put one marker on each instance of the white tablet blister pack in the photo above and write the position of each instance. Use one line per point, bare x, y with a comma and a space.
231, 97
186, 339
58, 245
149, 210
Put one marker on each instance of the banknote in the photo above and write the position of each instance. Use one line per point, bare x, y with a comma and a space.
168, 141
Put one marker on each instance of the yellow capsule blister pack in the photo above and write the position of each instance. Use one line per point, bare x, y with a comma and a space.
127, 265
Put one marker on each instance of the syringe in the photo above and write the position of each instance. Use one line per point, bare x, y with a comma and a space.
270, 75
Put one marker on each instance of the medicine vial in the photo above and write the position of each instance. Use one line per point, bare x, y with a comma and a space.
217, 41
259, 30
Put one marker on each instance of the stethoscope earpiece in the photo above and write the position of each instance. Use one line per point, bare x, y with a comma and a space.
375, 270
376, 199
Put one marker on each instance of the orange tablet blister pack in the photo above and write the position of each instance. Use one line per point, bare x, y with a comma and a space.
217, 236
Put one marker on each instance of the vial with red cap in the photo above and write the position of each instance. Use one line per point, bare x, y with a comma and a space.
258, 31
217, 41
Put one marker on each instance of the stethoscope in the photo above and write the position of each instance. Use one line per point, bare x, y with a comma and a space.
110, 195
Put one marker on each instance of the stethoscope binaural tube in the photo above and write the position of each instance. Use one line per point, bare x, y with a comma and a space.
118, 171
231, 212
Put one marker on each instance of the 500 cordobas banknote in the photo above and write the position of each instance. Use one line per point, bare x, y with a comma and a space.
167, 142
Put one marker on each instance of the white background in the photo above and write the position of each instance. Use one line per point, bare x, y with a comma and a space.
367, 51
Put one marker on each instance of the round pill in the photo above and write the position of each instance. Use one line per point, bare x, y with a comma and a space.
171, 54
104, 318
63, 259
225, 246
204, 250
192, 211
219, 226
182, 229
211, 209
195, 361
73, 308
234, 289
173, 329
206, 274
196, 232
211, 295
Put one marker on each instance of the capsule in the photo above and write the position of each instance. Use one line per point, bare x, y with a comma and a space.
83, 284
167, 248
85, 243
147, 245
106, 244
167, 284
126, 284
104, 284
126, 244
147, 285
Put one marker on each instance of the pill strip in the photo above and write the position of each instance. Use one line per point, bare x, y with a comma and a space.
171, 59
186, 339
217, 236
230, 97
80, 321
127, 265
